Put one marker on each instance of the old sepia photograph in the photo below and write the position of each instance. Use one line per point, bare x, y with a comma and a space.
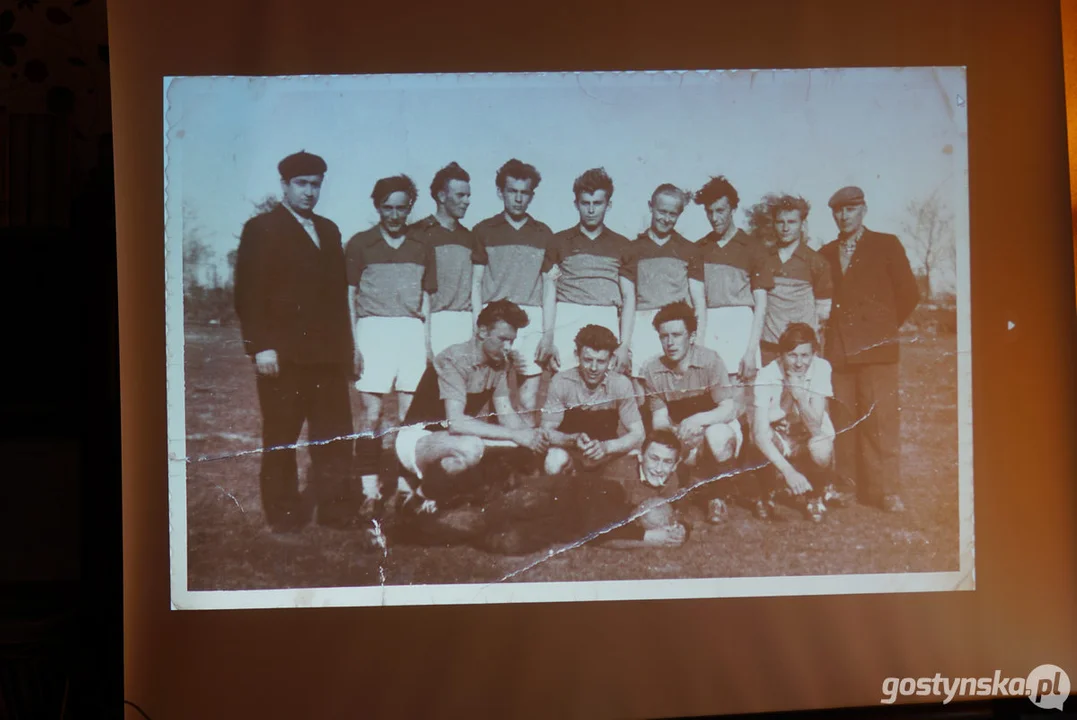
557, 337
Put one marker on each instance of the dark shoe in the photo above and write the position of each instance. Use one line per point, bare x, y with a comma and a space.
892, 504
814, 509
761, 510
836, 498
338, 516
288, 521
717, 511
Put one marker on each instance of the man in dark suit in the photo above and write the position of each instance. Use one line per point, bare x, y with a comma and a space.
874, 293
292, 301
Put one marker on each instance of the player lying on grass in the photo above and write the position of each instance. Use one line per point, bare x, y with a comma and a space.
650, 490
462, 404
792, 430
626, 504
591, 414
689, 393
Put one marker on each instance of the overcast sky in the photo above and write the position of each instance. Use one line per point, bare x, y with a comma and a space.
900, 134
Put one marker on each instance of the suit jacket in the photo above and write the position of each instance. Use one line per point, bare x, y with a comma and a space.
290, 295
871, 300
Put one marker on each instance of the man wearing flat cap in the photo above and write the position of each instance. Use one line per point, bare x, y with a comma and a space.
292, 301
874, 293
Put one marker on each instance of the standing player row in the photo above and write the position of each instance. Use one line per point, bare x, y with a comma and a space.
423, 284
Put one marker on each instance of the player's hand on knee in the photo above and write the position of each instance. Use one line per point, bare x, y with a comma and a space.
596, 451
798, 484
533, 439
266, 363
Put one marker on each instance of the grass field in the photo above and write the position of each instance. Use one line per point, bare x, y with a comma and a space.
230, 548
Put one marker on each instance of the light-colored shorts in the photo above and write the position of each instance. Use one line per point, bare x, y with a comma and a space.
738, 435
571, 318
645, 342
728, 331
406, 441
394, 354
527, 341
449, 327
738, 443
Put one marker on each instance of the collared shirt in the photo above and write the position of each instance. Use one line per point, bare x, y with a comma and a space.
847, 247
464, 376
590, 269
568, 391
798, 283
390, 281
771, 391
513, 259
704, 379
452, 250
307, 224
733, 272
661, 272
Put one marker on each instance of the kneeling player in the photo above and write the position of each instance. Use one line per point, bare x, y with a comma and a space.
651, 490
792, 428
591, 414
463, 404
689, 392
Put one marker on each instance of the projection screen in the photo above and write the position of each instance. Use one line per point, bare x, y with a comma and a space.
814, 446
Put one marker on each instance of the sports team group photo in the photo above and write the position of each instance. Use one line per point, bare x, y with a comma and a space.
599, 335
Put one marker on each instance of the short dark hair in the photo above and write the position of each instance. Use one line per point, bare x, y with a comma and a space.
597, 338
671, 189
505, 311
591, 181
679, 310
385, 187
663, 436
520, 170
717, 188
795, 335
452, 171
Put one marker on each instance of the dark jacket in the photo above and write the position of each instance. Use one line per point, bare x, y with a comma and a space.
871, 301
291, 296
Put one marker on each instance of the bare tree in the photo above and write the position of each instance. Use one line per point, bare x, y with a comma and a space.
266, 204
929, 228
196, 251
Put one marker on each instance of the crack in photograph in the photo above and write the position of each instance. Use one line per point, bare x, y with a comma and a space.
556, 337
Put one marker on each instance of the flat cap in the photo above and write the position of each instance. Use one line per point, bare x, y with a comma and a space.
301, 163
849, 195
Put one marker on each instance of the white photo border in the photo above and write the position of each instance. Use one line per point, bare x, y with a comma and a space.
182, 598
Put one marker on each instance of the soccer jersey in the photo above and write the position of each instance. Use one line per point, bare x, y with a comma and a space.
661, 272
452, 251
733, 272
461, 373
702, 386
798, 283
590, 269
604, 413
513, 259
390, 281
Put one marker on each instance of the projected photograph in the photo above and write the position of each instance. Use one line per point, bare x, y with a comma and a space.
558, 337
